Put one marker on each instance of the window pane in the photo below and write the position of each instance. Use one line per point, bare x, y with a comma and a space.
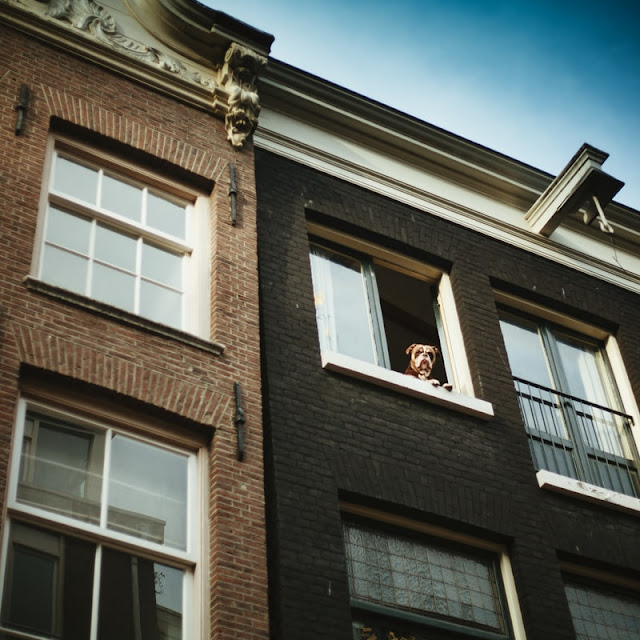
162, 266
525, 353
48, 583
160, 304
139, 599
113, 287
601, 613
580, 367
121, 197
64, 269
61, 470
75, 180
166, 216
404, 573
68, 230
148, 492
342, 309
115, 248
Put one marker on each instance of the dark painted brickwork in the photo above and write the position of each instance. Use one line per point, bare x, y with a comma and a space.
329, 436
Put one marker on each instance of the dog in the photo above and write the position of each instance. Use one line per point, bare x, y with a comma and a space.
422, 357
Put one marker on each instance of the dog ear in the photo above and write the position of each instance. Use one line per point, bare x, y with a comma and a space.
410, 347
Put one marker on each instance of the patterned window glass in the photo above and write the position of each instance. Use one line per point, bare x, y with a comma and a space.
599, 612
421, 577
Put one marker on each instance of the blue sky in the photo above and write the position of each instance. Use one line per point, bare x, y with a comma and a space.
533, 79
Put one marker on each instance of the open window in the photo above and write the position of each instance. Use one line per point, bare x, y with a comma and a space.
372, 304
570, 403
372, 310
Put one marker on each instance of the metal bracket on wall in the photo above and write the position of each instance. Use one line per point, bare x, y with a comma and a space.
21, 108
239, 420
233, 194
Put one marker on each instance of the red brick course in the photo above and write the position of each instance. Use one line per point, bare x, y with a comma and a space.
151, 368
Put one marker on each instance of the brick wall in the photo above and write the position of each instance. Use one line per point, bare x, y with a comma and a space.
331, 436
153, 371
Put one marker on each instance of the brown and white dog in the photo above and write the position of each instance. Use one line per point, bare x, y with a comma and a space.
422, 358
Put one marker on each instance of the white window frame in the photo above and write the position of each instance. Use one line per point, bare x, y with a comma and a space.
562, 484
503, 563
195, 247
190, 560
461, 398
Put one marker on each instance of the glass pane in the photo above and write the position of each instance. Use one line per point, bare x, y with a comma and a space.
113, 287
61, 470
162, 266
115, 248
342, 310
68, 230
161, 305
121, 197
48, 583
64, 269
601, 613
139, 599
410, 574
581, 370
166, 216
525, 352
148, 492
75, 180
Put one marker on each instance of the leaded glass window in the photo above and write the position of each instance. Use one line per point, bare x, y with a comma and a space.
418, 579
600, 612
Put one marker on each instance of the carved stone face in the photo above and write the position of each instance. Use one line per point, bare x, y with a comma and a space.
422, 359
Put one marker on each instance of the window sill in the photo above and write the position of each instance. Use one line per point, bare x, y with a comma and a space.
122, 316
388, 379
585, 491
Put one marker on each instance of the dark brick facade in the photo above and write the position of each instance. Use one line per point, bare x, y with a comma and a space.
331, 437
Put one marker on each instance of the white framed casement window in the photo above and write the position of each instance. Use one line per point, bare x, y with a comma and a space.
576, 404
103, 533
372, 303
123, 236
407, 579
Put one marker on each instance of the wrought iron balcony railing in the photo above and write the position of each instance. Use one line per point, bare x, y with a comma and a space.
579, 439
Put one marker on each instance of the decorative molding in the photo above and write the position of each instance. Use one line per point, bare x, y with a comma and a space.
238, 77
92, 18
87, 28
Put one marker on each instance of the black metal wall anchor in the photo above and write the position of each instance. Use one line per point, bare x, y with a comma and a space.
21, 108
233, 194
239, 420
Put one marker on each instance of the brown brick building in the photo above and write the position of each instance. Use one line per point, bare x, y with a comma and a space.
130, 409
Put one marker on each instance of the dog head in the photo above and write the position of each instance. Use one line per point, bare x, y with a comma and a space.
422, 359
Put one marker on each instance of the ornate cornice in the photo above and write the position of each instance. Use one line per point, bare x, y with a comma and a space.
225, 83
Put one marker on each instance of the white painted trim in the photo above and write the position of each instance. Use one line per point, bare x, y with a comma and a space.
393, 178
585, 491
453, 335
407, 385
